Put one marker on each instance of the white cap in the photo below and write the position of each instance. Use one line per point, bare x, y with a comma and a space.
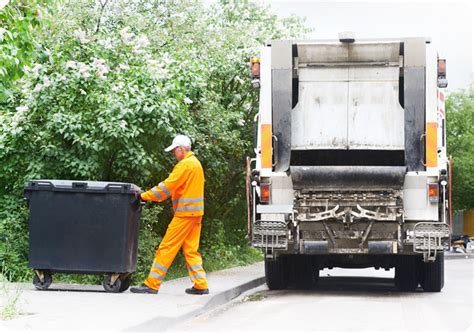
179, 141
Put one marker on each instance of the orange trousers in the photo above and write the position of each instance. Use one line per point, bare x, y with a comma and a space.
182, 232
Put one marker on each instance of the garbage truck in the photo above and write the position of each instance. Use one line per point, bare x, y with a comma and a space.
350, 167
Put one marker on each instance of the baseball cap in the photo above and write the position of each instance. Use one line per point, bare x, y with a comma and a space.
179, 141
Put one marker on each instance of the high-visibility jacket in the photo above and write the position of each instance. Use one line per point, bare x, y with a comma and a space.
185, 185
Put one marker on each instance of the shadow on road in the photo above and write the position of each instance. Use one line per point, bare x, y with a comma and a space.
351, 285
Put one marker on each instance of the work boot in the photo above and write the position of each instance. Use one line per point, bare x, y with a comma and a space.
143, 289
195, 291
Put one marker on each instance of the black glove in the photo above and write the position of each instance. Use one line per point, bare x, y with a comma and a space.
138, 196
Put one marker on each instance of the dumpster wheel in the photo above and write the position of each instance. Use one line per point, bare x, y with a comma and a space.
42, 279
116, 283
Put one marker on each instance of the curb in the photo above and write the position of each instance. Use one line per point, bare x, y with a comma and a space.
453, 256
163, 324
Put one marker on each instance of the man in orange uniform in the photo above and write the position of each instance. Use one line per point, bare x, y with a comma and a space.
185, 186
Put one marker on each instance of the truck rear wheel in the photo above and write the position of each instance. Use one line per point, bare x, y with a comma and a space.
432, 274
304, 272
276, 273
407, 272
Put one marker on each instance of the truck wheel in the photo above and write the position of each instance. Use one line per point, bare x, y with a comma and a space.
432, 274
276, 273
304, 272
407, 272
47, 280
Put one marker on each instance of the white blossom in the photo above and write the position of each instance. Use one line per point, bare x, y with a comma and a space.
83, 70
38, 87
140, 43
81, 35
82, 92
187, 101
107, 43
22, 108
36, 69
101, 67
71, 64
117, 87
46, 82
155, 68
39, 13
126, 36
124, 67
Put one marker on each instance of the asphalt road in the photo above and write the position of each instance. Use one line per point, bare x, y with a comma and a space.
351, 300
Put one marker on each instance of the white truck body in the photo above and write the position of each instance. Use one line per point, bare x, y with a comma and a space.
350, 164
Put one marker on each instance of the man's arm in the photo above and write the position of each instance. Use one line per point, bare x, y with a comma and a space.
164, 189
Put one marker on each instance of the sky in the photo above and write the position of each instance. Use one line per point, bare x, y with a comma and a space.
449, 24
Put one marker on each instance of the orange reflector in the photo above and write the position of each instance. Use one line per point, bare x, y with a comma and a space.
433, 192
264, 193
431, 145
266, 145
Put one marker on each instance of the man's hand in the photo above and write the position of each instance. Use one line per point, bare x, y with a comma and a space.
138, 196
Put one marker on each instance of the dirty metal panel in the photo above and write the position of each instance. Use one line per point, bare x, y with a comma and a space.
375, 117
415, 198
414, 93
347, 177
332, 53
282, 79
314, 53
319, 120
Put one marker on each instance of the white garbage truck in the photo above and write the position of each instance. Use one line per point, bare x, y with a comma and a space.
350, 167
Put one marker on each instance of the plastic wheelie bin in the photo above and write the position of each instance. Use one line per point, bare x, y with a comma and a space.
83, 227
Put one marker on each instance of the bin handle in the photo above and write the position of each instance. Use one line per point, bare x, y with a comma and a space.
120, 187
43, 183
77, 185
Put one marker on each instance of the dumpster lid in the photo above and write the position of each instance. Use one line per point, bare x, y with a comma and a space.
81, 185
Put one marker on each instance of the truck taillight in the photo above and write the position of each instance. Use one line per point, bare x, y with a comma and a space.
264, 192
433, 192
442, 82
255, 67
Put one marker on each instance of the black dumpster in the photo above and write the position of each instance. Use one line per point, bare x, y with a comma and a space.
83, 227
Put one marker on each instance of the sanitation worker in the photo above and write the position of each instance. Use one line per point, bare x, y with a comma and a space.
185, 186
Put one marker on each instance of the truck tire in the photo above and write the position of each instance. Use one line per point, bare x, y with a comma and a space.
276, 273
407, 272
304, 273
432, 274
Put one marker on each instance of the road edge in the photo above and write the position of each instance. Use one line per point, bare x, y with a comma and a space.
214, 302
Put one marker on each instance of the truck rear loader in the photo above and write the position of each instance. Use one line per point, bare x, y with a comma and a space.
350, 166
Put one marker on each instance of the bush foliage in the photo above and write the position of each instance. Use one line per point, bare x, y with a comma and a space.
102, 88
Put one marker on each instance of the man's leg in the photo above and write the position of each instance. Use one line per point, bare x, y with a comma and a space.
193, 258
176, 233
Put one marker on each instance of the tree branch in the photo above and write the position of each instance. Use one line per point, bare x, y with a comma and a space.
102, 4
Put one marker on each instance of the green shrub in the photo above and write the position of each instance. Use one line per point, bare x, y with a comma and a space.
106, 90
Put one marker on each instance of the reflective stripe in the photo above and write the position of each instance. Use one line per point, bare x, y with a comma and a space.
187, 200
199, 275
157, 276
189, 208
164, 188
195, 267
158, 266
156, 193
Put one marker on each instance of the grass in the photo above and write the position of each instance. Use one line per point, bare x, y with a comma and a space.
255, 297
10, 298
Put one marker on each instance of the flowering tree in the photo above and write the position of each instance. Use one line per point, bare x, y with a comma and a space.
115, 80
